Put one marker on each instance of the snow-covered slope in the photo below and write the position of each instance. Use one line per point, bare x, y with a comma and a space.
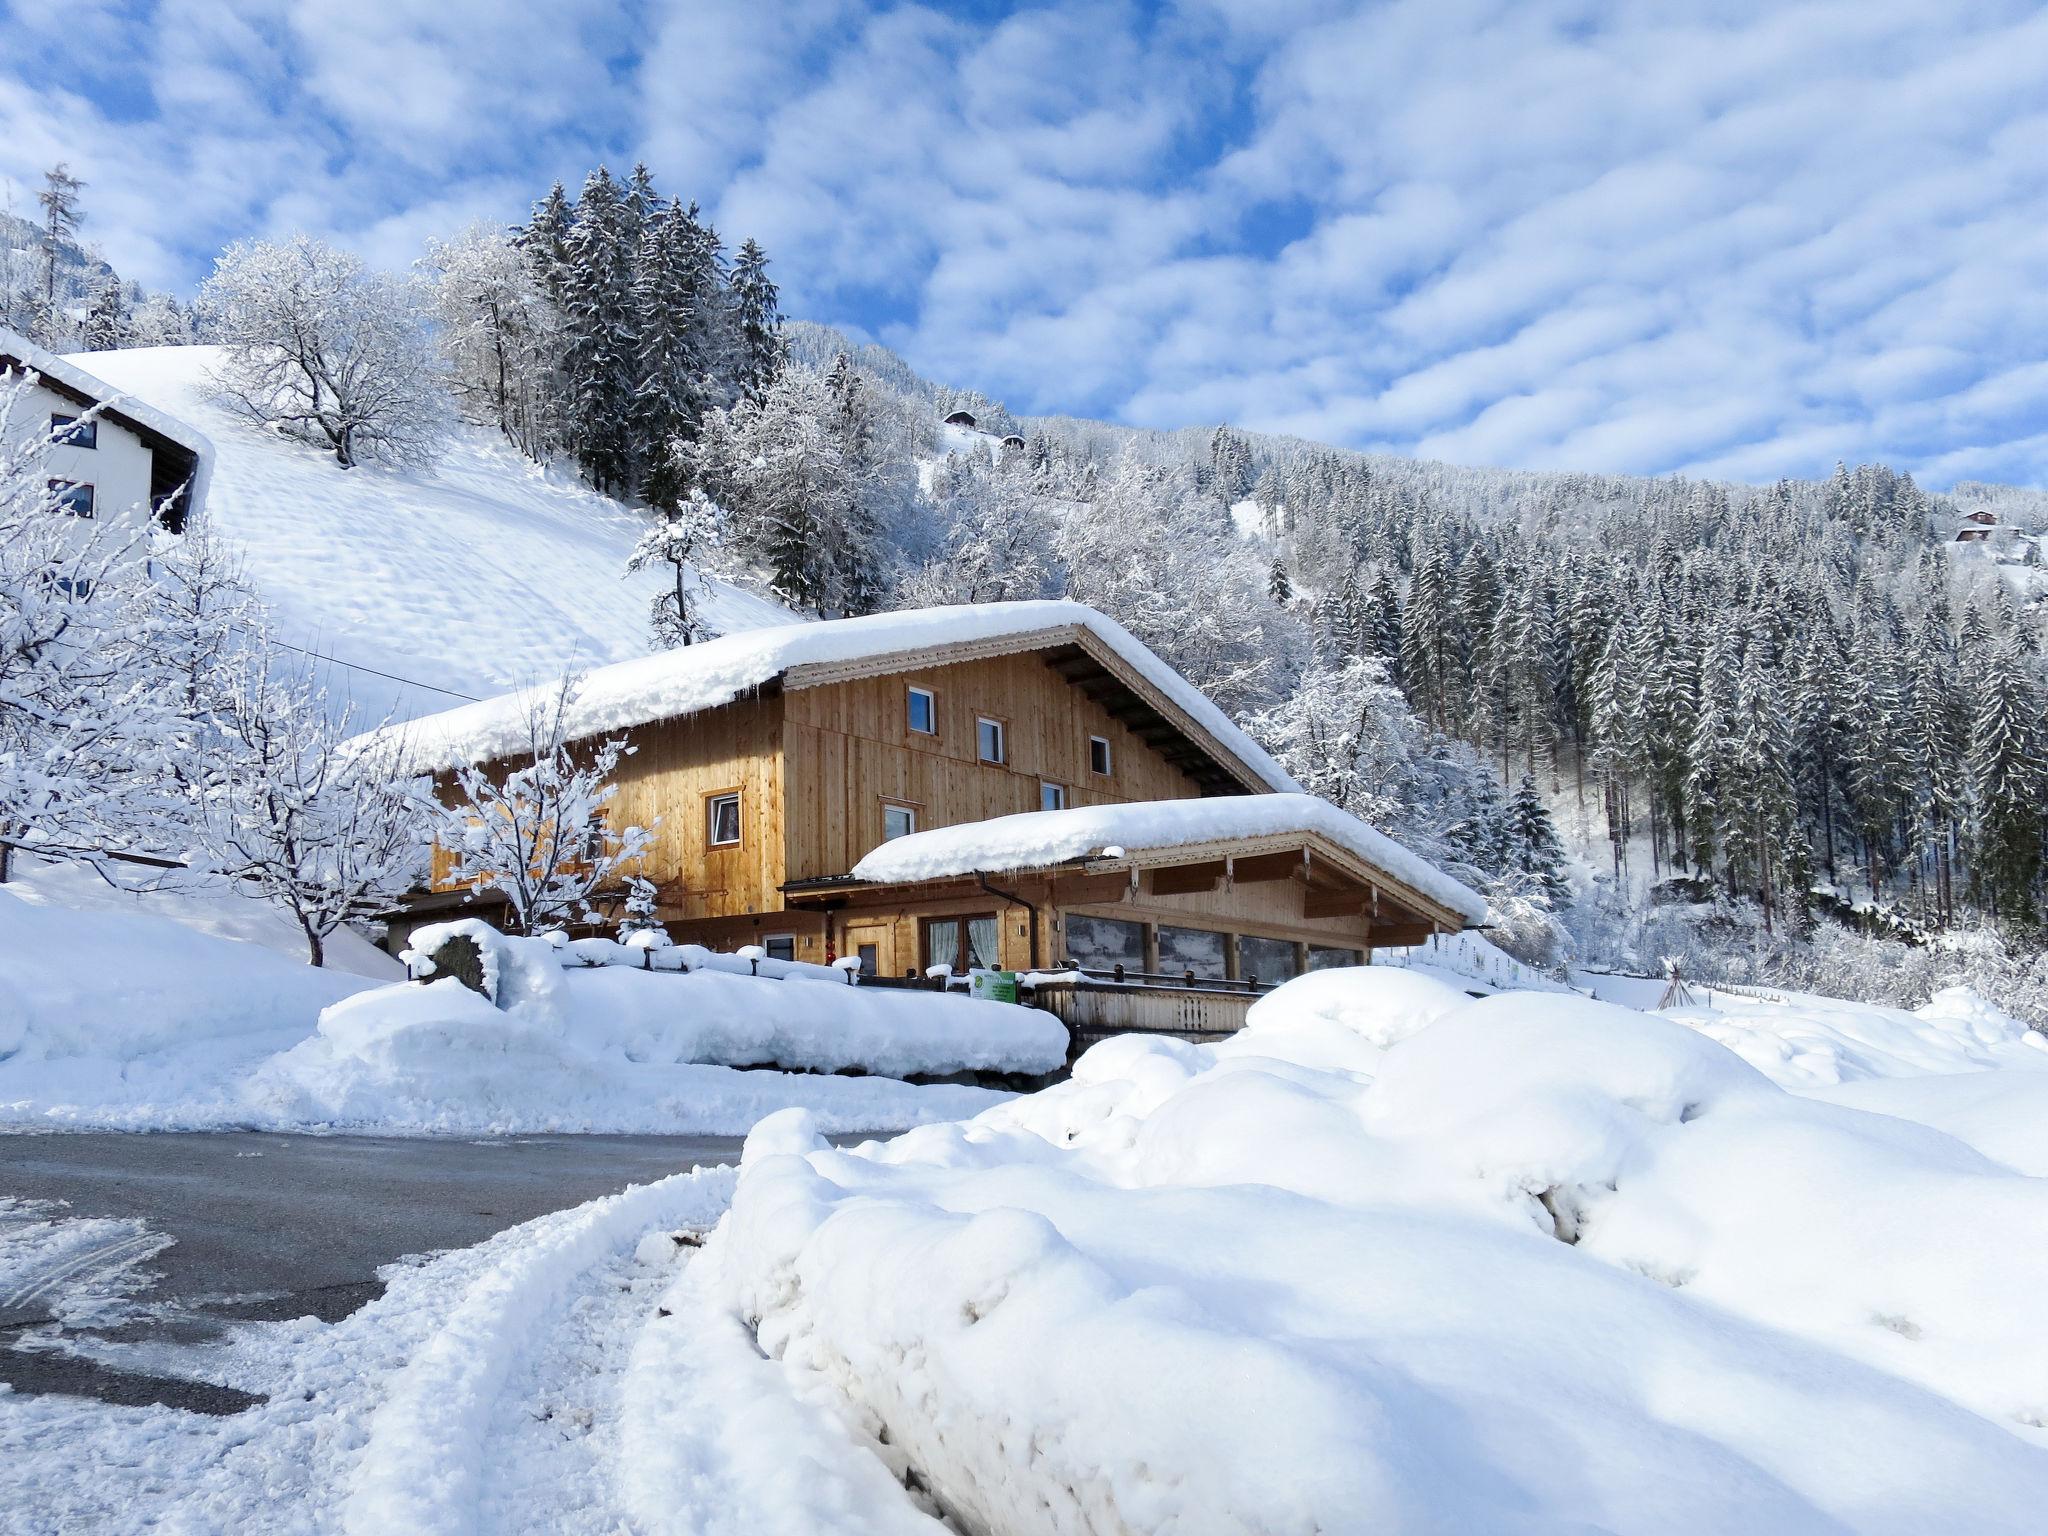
478, 575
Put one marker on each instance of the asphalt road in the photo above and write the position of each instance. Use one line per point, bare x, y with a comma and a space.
270, 1226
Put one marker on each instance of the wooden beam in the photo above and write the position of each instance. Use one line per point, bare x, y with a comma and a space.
1266, 866
1333, 903
1400, 935
1185, 879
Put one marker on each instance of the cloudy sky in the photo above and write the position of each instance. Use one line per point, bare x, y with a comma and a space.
1747, 239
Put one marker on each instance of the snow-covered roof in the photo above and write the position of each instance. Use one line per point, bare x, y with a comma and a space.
66, 373
669, 684
1046, 839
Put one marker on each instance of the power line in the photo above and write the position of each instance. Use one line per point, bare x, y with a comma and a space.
356, 666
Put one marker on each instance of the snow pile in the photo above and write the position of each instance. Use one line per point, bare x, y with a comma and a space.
1043, 839
1472, 960
134, 1020
1530, 1263
131, 1017
1804, 1041
669, 684
480, 574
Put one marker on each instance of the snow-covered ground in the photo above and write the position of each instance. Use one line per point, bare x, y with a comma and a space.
1390, 1259
180, 1012
481, 574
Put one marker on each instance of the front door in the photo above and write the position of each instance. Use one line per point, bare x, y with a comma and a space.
875, 944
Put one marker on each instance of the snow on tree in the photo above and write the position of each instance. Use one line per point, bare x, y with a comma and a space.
301, 816
638, 917
85, 731
498, 334
1534, 850
2008, 779
673, 545
326, 351
537, 833
757, 323
599, 327
62, 214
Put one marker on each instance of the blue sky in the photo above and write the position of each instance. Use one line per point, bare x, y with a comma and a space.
1740, 239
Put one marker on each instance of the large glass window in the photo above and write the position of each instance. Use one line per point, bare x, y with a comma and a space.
1182, 950
1102, 943
1323, 958
722, 820
924, 712
964, 943
1270, 960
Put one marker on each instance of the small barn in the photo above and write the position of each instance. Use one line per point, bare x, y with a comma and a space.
1014, 440
1982, 519
961, 419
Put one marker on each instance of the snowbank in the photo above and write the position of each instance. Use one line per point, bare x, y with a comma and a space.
1043, 839
1804, 1041
1531, 1263
134, 1020
114, 1017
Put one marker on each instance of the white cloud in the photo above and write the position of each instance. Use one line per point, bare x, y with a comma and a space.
1747, 237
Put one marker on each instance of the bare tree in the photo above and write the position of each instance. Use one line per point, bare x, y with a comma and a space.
321, 348
538, 835
61, 218
325, 828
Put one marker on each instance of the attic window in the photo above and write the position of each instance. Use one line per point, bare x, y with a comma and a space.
722, 819
1098, 755
73, 433
923, 712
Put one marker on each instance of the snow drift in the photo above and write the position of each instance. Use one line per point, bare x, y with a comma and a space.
1394, 1259
134, 1020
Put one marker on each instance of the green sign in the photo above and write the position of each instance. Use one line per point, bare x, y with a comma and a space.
992, 986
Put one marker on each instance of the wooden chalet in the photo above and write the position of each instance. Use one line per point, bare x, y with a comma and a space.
774, 765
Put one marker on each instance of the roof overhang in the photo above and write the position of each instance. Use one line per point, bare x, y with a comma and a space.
1335, 882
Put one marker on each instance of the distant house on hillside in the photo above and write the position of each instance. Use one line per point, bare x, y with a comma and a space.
1974, 534
1014, 440
962, 419
113, 456
1012, 785
1986, 519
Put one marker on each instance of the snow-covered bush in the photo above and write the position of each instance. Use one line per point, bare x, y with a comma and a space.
326, 350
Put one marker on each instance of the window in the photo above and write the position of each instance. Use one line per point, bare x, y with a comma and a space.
722, 819
870, 958
73, 433
988, 735
964, 943
1199, 950
1103, 943
78, 588
1270, 960
1098, 755
1052, 797
897, 821
1325, 959
923, 712
780, 946
73, 496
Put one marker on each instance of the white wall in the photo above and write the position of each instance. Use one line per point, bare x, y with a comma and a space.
117, 469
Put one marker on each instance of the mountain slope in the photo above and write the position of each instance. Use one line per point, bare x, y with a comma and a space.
428, 587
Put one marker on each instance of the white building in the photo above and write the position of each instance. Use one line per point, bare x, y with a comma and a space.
115, 457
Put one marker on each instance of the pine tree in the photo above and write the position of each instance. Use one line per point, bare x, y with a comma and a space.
2008, 779
598, 316
757, 323
1534, 849
61, 217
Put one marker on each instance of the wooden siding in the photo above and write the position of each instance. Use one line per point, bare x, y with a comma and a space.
850, 747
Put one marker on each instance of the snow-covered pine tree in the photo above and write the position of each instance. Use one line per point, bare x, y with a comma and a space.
1534, 849
759, 350
2008, 778
601, 349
